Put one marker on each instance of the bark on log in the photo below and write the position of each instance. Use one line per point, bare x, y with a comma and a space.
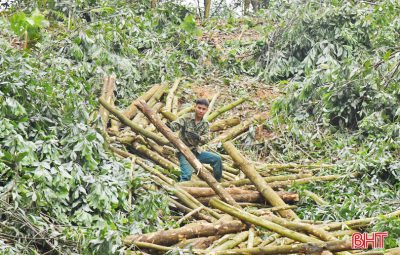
268, 193
247, 217
198, 229
198, 243
108, 94
307, 248
225, 108
255, 197
136, 128
237, 130
203, 173
224, 124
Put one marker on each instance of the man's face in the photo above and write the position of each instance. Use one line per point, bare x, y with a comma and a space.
200, 110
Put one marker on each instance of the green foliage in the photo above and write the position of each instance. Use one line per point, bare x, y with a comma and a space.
56, 176
20, 24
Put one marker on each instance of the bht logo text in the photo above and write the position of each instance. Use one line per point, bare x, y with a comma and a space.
365, 240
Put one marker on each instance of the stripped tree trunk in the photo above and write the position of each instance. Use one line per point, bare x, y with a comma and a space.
193, 230
108, 94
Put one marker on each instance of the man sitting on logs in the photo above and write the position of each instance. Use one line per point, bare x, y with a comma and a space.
194, 131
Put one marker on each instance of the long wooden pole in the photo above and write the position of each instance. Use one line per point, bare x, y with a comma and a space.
307, 248
225, 108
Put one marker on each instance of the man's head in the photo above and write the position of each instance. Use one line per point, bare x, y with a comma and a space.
201, 107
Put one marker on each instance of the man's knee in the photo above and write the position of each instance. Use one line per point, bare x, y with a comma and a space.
217, 158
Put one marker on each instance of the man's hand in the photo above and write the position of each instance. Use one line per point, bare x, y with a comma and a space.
192, 135
168, 151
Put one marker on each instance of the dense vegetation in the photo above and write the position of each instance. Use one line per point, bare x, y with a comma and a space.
336, 63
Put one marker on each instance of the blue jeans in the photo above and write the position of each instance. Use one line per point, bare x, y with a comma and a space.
204, 157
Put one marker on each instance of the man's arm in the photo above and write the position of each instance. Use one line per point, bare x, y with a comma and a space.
177, 124
205, 134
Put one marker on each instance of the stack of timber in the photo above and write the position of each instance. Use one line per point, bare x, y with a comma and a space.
249, 212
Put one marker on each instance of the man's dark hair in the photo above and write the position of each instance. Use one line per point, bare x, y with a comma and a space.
202, 101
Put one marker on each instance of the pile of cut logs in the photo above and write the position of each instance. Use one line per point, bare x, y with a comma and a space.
249, 212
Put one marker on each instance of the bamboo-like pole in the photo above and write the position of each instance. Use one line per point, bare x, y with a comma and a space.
108, 94
220, 241
250, 240
175, 105
224, 124
168, 115
243, 182
225, 108
136, 128
170, 96
317, 199
212, 103
173, 138
307, 248
262, 186
235, 240
247, 217
281, 184
269, 239
237, 130
207, 7
298, 226
154, 156
185, 110
268, 179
